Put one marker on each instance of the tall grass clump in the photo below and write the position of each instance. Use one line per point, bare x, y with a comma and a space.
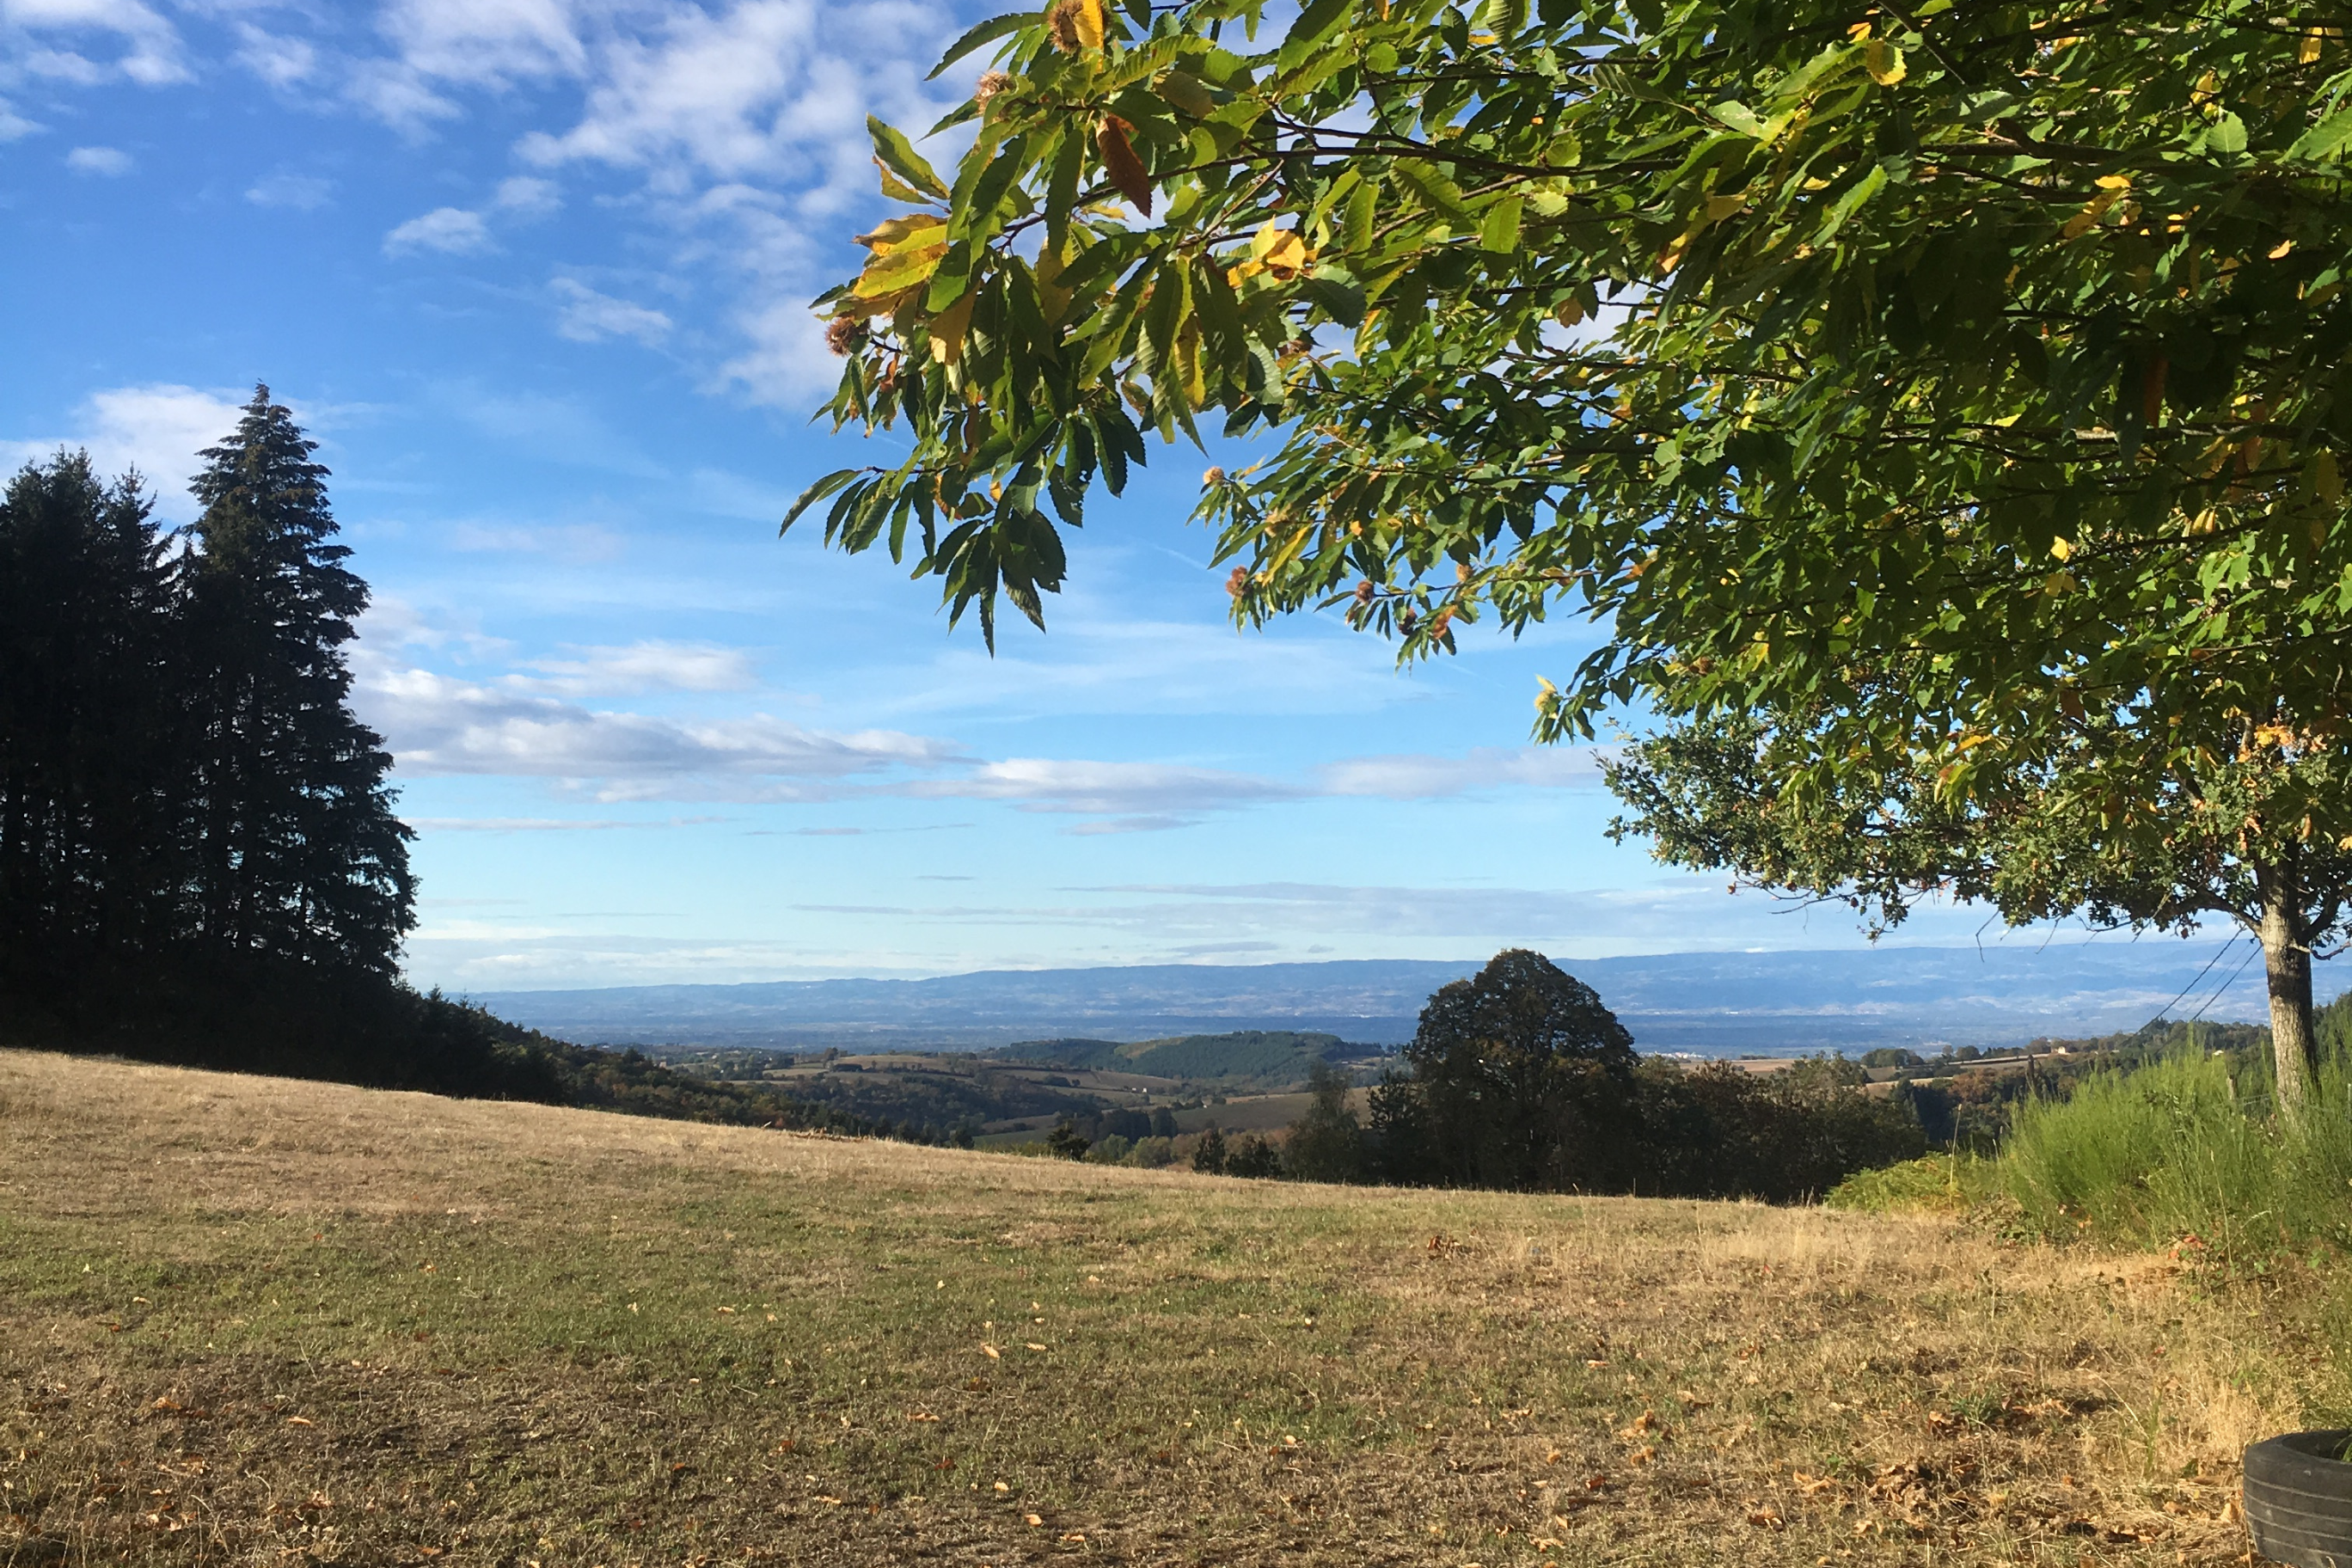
2188, 1146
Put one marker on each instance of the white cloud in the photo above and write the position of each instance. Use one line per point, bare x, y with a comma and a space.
280, 61
156, 429
544, 824
13, 124
103, 161
150, 49
462, 231
589, 317
436, 724
484, 42
1419, 777
648, 665
527, 196
450, 230
1144, 794
711, 91
573, 541
787, 362
303, 193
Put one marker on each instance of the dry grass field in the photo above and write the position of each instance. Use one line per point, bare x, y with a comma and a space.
255, 1322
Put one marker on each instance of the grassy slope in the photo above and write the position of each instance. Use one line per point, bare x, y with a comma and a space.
241, 1318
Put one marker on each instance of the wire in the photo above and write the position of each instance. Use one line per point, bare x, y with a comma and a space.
2225, 986
2201, 973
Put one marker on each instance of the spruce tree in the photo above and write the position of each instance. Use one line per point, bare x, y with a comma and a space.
299, 854
87, 839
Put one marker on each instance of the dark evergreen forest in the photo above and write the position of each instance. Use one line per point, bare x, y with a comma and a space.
197, 835
200, 860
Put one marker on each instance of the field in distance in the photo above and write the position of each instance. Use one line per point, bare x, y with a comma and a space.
246, 1320
1242, 1080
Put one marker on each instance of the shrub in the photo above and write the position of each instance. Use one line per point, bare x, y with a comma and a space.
2187, 1146
1933, 1183
1326, 1144
1254, 1156
1209, 1154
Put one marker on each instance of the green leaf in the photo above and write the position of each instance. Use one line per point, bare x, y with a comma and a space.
1498, 231
899, 156
2227, 135
2325, 139
1363, 206
994, 27
1319, 18
817, 492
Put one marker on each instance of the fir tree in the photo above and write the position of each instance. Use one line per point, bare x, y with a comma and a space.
298, 852
86, 818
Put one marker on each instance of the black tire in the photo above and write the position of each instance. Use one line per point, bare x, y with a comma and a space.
2298, 1499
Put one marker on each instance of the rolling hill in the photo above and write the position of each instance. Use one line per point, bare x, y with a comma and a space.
1721, 1004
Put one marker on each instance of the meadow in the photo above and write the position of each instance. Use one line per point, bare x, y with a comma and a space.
254, 1320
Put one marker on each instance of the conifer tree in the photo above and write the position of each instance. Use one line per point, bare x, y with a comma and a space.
87, 864
299, 854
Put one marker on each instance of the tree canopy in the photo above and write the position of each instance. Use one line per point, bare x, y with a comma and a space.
1784, 338
1955, 386
188, 806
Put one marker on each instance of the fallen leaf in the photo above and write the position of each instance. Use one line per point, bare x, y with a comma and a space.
992, 1352
1033, 1519
300, 1421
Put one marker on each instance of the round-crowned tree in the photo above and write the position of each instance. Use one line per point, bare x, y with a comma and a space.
1520, 1078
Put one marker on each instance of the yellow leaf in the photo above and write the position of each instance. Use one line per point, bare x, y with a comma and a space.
2113, 182
2062, 550
2321, 473
1033, 1519
1859, 31
1188, 363
947, 335
904, 232
990, 1353
896, 189
1721, 207
1281, 252
1090, 23
2308, 50
1884, 61
897, 270
2093, 211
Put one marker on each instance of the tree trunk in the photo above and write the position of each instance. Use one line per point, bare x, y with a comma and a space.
2287, 962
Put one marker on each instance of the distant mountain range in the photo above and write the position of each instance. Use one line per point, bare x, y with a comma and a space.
1715, 1003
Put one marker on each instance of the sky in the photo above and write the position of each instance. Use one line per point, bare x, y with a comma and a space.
534, 273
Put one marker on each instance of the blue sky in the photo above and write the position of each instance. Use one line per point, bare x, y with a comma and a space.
534, 272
